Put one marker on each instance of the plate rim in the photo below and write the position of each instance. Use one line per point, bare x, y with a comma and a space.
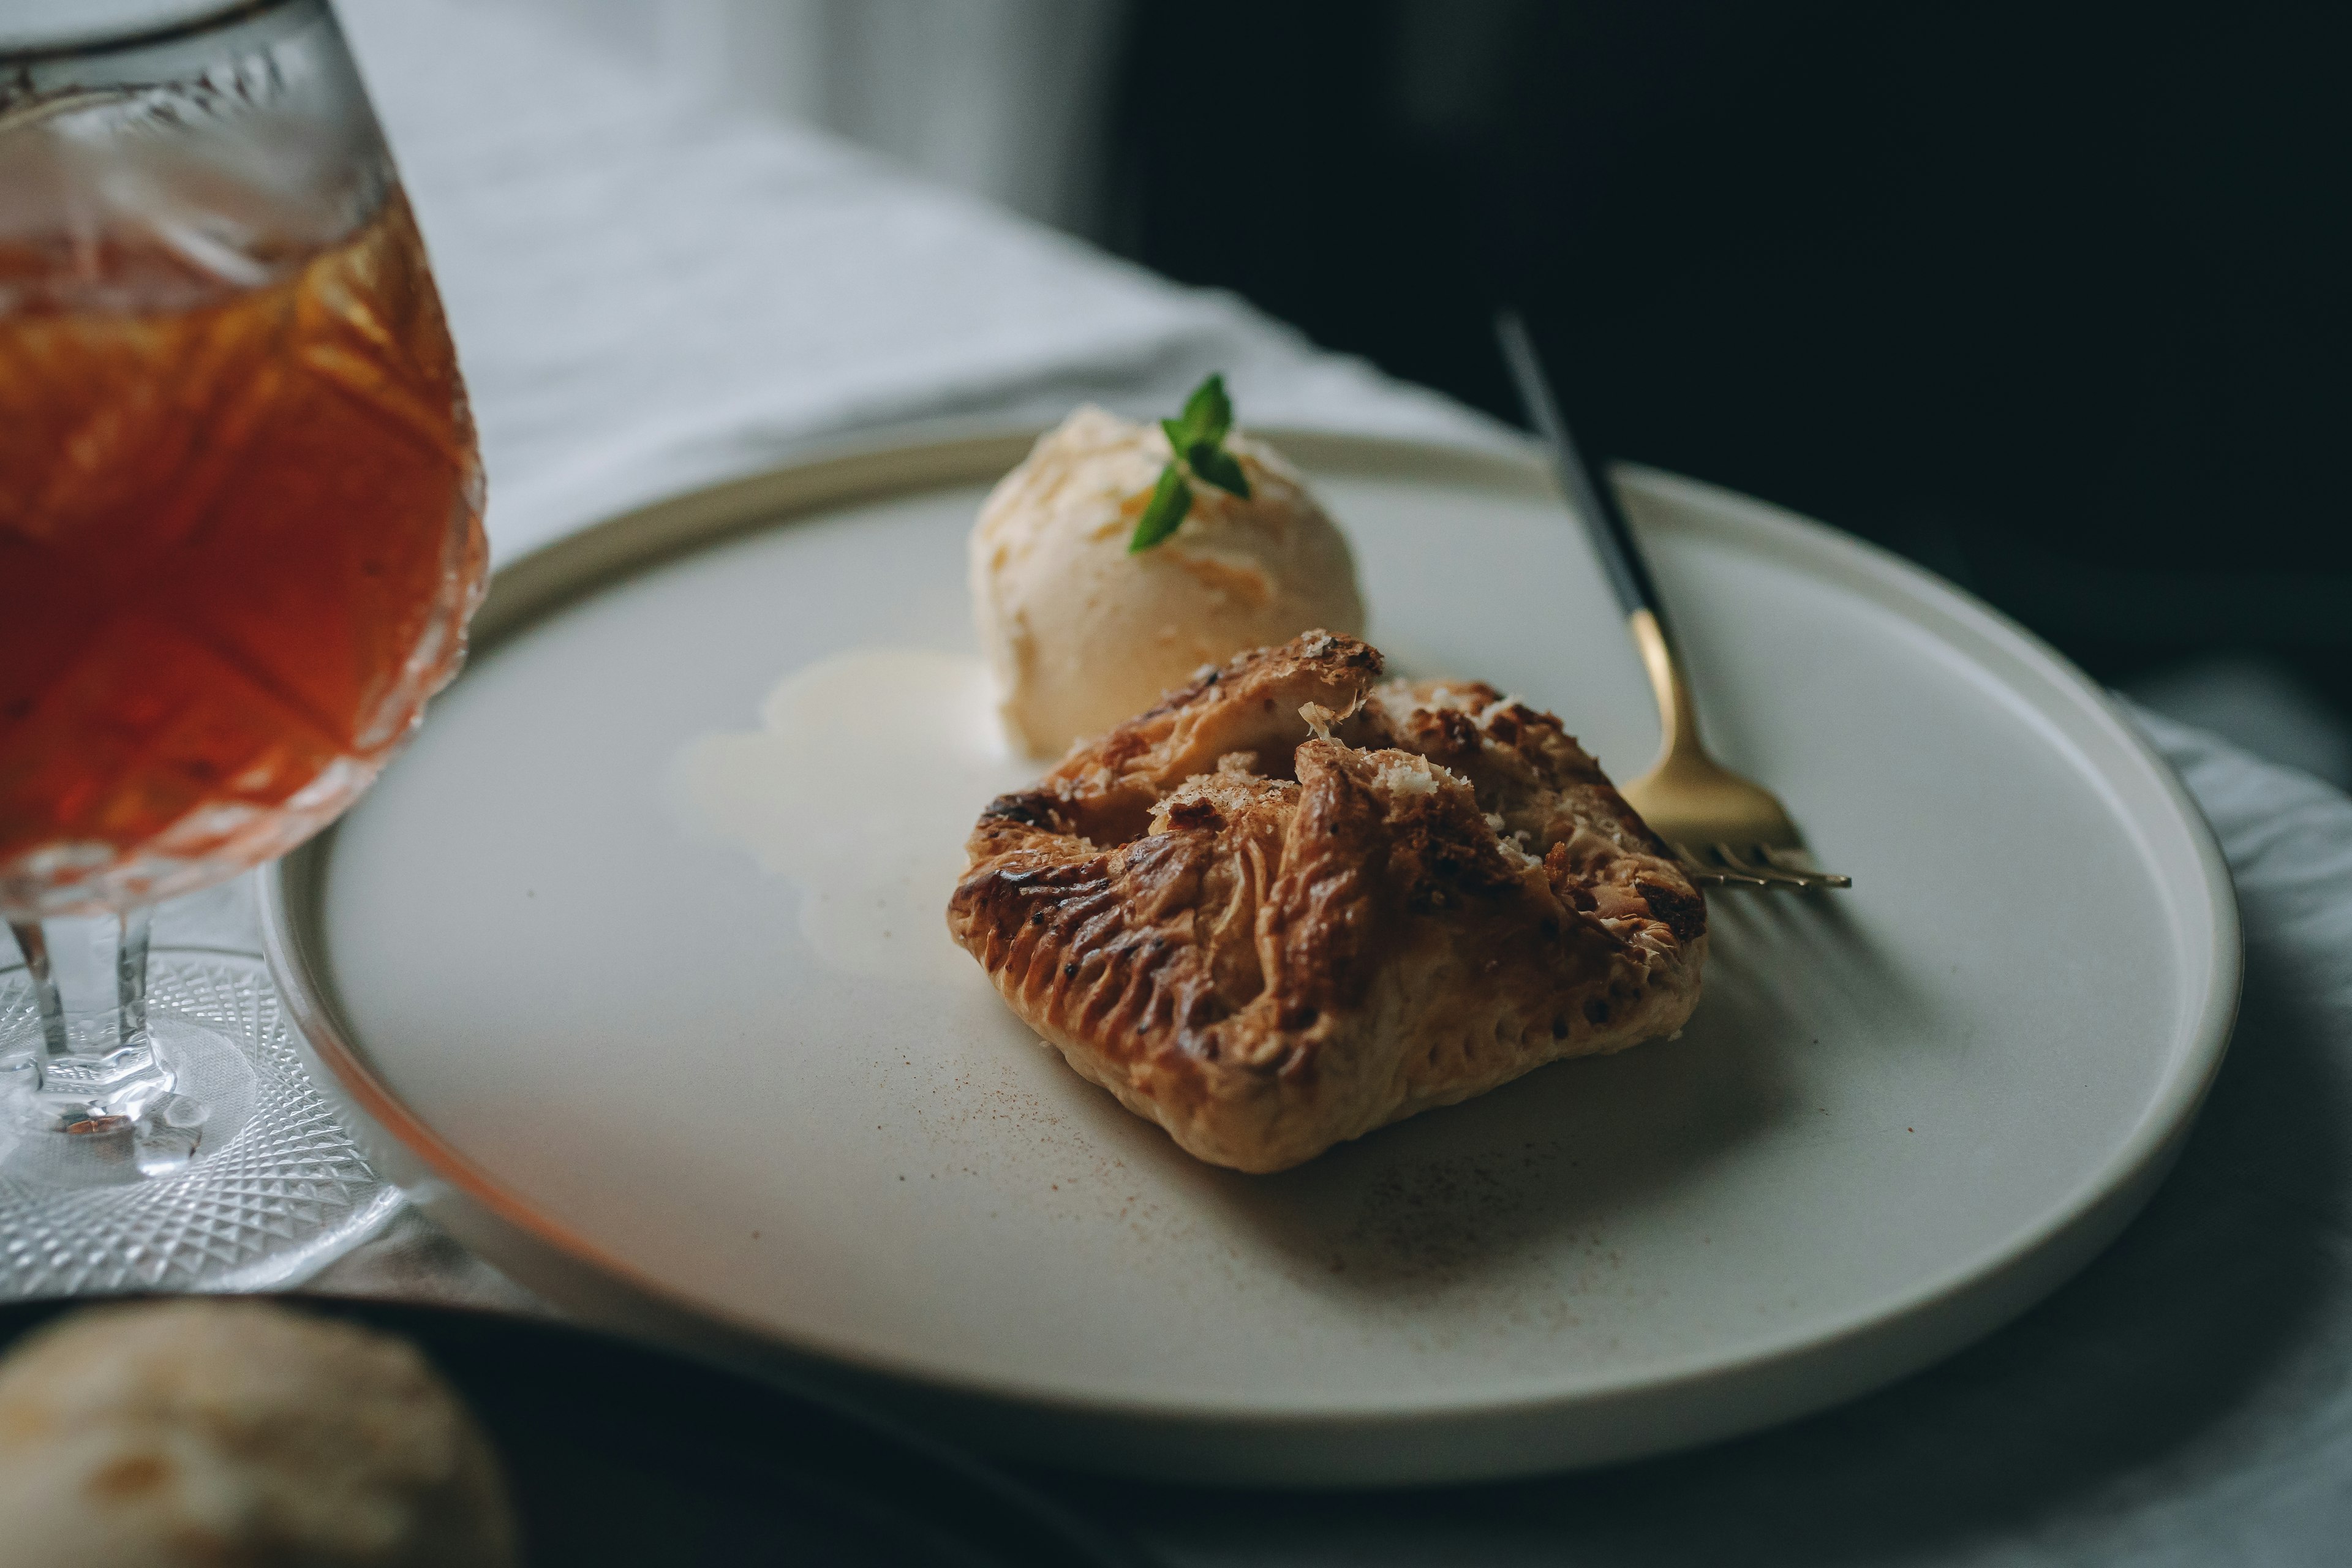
1886, 1339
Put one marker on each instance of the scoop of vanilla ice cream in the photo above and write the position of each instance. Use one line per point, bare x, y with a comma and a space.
1083, 635
200, 1434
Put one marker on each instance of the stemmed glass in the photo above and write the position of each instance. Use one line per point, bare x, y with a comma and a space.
240, 523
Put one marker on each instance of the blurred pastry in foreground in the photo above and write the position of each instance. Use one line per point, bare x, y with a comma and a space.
222, 1434
1290, 904
1119, 558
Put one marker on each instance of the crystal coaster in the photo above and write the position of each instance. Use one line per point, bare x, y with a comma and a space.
277, 1189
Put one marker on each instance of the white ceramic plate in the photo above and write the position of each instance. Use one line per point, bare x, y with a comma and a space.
607, 1051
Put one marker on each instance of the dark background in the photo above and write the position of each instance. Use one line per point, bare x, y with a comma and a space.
2048, 298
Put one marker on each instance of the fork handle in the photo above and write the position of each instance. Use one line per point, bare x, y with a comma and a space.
1613, 536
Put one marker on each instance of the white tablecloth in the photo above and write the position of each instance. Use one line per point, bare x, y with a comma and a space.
648, 296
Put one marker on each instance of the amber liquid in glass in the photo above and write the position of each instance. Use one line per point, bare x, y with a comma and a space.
240, 534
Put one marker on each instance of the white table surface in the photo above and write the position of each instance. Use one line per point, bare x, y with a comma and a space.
648, 296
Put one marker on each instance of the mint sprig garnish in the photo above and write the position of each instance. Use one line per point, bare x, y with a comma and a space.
1172, 498
1197, 438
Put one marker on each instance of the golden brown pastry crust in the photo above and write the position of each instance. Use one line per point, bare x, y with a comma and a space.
1270, 939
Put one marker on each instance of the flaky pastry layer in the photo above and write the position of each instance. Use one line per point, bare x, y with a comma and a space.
1291, 904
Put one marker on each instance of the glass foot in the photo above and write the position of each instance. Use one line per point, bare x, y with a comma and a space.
264, 1190
104, 1113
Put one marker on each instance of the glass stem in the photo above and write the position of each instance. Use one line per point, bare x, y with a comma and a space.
35, 946
131, 977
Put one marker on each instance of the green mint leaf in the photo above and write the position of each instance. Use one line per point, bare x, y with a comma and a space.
1180, 440
1218, 468
1208, 412
1172, 498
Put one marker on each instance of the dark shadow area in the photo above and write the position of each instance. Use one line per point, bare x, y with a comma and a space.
1530, 1174
2047, 297
614, 1452
1447, 1209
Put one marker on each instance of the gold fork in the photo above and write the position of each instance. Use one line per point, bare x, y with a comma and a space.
1725, 829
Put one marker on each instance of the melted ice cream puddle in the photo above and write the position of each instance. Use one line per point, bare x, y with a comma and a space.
863, 781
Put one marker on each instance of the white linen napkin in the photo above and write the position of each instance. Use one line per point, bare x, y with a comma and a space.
648, 295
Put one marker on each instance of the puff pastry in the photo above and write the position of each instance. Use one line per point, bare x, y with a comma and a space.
1291, 904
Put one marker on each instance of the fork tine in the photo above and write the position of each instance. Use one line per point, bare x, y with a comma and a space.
1758, 863
1714, 869
1700, 873
1812, 875
1720, 865
1773, 865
